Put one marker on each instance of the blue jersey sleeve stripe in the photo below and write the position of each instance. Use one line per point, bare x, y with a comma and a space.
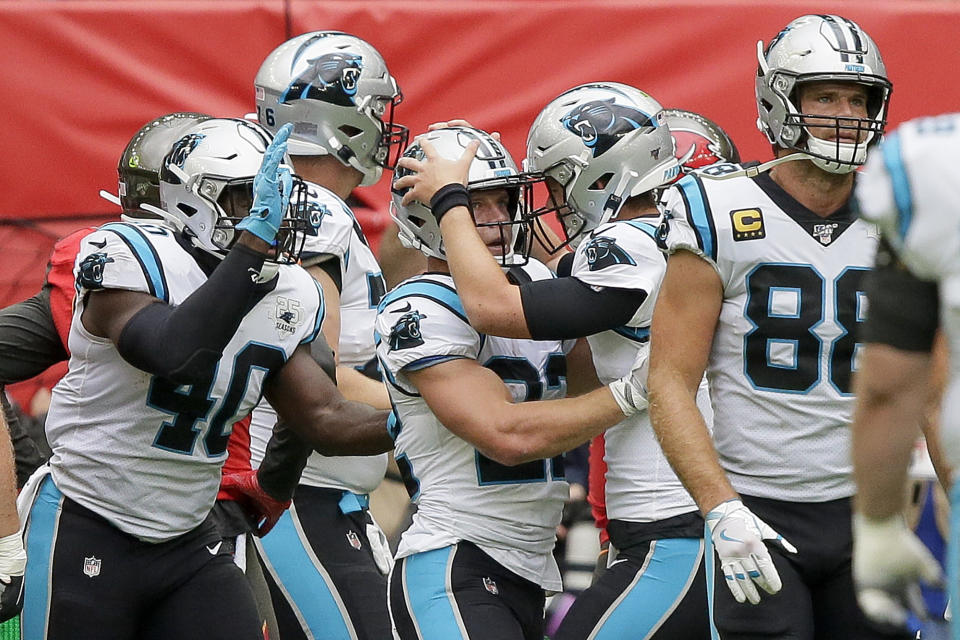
146, 255
698, 215
435, 291
429, 361
318, 320
893, 161
646, 227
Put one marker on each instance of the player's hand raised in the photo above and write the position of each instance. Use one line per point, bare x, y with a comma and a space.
738, 537
271, 190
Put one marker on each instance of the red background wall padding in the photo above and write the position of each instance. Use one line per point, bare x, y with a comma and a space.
81, 76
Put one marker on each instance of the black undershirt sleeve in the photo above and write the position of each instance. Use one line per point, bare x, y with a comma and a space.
29, 342
330, 265
904, 310
26, 453
565, 308
565, 265
185, 342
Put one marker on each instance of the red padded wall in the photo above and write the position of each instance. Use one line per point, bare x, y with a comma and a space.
81, 76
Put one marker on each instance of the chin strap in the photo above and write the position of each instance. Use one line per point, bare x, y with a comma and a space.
752, 172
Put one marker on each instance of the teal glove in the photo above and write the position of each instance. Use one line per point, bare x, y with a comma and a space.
271, 191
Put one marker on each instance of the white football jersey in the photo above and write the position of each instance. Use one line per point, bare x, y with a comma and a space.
640, 484
337, 233
143, 452
785, 346
509, 512
911, 189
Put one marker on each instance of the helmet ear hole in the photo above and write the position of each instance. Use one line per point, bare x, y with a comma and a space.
601, 183
349, 131
186, 209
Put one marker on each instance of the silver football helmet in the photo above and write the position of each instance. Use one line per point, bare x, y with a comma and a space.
604, 142
698, 140
336, 90
492, 168
139, 167
206, 185
818, 48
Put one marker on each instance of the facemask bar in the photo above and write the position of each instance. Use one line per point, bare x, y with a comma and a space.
394, 138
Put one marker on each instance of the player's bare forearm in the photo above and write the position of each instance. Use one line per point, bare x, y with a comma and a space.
686, 441
492, 304
9, 522
548, 428
359, 388
684, 322
311, 405
473, 403
891, 394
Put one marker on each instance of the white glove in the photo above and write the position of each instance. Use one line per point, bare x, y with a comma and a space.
630, 391
738, 537
13, 562
888, 561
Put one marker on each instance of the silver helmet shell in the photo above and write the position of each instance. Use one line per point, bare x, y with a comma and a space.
820, 48
604, 142
337, 92
206, 184
492, 168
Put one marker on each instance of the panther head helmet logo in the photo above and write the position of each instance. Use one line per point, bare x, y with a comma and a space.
332, 78
603, 251
600, 123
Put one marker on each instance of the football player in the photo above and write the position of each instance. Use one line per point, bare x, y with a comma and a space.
480, 455
605, 150
34, 333
764, 290
158, 376
327, 559
698, 142
910, 189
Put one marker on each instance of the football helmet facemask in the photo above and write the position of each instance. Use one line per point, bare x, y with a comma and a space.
206, 185
491, 169
821, 48
336, 90
604, 143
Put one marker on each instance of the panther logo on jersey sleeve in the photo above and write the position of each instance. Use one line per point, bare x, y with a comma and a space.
90, 275
332, 78
603, 251
405, 334
600, 123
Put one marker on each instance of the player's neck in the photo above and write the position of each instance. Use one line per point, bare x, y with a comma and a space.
819, 191
637, 207
329, 173
436, 265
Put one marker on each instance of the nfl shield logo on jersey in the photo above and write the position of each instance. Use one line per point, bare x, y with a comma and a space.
91, 567
824, 232
354, 540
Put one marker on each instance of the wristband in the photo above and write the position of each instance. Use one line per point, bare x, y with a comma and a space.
448, 197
